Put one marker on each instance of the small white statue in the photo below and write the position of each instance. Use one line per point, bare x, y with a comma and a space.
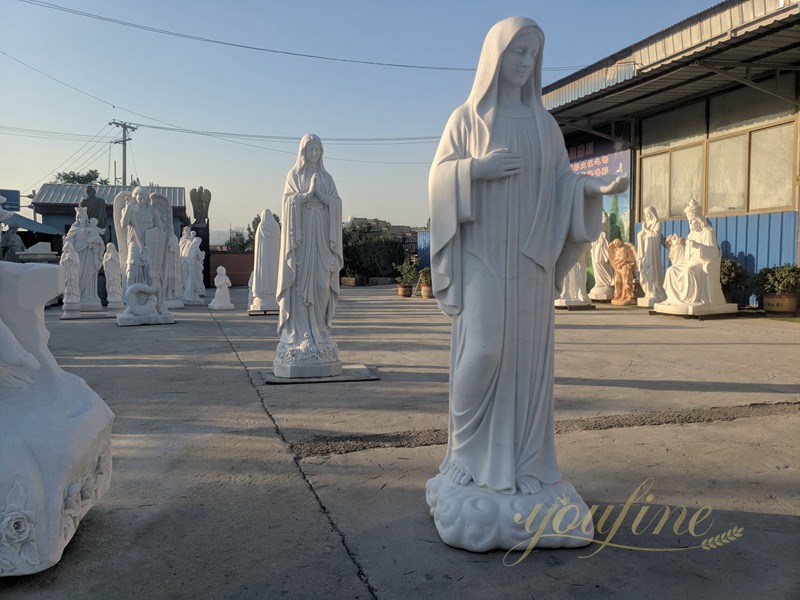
509, 219
648, 259
222, 297
308, 274
143, 221
601, 267
692, 282
573, 287
87, 241
266, 253
113, 278
71, 267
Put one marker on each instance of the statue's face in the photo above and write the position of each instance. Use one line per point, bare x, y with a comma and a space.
519, 59
312, 152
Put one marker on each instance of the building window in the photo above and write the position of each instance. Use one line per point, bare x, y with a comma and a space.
727, 168
685, 178
655, 182
771, 172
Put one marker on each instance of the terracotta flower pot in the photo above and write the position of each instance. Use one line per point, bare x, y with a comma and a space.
404, 290
784, 305
426, 289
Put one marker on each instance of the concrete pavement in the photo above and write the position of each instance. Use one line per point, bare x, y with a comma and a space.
224, 487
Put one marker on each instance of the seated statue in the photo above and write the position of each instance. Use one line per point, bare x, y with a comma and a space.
692, 281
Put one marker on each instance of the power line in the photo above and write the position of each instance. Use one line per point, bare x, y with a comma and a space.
206, 40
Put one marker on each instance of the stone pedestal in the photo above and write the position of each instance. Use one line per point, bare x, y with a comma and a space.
262, 305
55, 433
480, 520
125, 320
297, 371
71, 310
695, 309
174, 303
601, 293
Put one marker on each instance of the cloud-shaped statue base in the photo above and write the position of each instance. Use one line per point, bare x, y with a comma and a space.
479, 520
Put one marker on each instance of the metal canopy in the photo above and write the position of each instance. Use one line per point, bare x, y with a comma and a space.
748, 42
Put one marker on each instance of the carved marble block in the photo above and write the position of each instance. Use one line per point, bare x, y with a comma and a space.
573, 287
55, 432
601, 267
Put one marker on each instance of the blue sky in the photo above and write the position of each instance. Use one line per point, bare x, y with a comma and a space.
211, 87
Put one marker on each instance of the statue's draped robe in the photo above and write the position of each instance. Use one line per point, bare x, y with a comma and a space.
265, 261
89, 246
497, 250
649, 259
311, 258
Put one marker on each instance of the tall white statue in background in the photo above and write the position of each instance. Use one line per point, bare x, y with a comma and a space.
648, 259
508, 220
87, 241
692, 281
308, 274
264, 282
192, 268
601, 267
143, 221
174, 278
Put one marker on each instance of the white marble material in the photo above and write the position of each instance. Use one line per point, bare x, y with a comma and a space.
648, 259
308, 273
573, 287
70, 264
143, 221
692, 281
509, 219
264, 282
86, 238
55, 432
192, 268
173, 280
603, 288
222, 297
111, 267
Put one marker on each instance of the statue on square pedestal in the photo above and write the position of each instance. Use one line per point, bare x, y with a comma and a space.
266, 257
623, 259
601, 267
222, 297
648, 259
692, 281
192, 268
509, 219
143, 221
71, 267
173, 280
308, 273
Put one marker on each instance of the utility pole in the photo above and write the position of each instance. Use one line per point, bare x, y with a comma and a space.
125, 128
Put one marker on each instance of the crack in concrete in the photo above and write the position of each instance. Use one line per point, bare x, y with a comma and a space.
323, 445
256, 383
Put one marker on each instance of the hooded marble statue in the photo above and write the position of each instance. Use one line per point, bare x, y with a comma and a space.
509, 219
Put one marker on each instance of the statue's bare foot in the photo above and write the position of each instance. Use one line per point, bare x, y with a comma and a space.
457, 473
528, 485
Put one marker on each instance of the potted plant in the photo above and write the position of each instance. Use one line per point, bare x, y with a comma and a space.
732, 276
779, 287
408, 276
425, 285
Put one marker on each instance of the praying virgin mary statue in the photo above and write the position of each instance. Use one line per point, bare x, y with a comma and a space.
308, 272
509, 219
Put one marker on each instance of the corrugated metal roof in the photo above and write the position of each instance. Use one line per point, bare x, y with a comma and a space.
665, 67
70, 194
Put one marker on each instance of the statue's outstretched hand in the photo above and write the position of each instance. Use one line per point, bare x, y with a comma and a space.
496, 165
608, 185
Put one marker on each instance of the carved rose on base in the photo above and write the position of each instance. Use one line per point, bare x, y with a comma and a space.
308, 353
17, 529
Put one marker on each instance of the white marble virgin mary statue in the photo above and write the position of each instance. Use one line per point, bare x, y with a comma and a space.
308, 273
509, 219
